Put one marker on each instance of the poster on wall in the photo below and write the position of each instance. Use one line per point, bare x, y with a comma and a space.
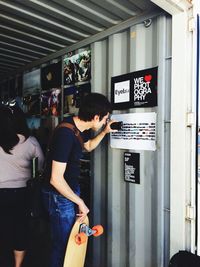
138, 131
77, 67
31, 104
135, 89
31, 83
51, 102
51, 76
73, 96
132, 167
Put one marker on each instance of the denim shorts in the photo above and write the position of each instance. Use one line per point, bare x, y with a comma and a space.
62, 215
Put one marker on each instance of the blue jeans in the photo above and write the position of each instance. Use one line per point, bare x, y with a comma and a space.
62, 214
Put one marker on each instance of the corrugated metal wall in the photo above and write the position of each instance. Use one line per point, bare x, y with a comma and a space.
135, 217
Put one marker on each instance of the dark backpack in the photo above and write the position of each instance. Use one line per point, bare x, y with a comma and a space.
184, 259
35, 185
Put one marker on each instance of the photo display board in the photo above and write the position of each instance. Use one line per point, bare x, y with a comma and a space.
135, 89
138, 131
132, 167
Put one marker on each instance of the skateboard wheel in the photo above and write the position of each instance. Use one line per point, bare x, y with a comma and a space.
98, 230
80, 238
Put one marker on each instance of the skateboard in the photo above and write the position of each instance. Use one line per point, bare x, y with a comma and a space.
77, 243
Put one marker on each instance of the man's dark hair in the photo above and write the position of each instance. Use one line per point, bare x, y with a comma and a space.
94, 104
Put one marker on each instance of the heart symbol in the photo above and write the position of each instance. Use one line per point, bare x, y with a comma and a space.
147, 78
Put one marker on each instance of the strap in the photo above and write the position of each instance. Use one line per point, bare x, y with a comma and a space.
74, 129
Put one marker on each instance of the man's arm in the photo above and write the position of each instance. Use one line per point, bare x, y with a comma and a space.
93, 143
58, 181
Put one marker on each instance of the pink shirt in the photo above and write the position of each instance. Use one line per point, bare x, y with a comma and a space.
15, 168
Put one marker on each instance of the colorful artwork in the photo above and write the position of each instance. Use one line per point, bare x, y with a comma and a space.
51, 103
77, 68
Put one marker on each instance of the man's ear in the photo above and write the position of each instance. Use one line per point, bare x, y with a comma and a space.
96, 118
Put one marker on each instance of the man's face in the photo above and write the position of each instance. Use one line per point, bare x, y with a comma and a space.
98, 124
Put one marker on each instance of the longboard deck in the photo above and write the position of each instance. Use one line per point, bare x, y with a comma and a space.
75, 254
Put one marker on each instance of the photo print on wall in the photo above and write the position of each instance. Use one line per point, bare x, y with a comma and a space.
77, 67
135, 89
73, 96
31, 83
51, 76
51, 102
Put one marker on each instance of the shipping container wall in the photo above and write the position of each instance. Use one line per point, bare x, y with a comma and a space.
135, 216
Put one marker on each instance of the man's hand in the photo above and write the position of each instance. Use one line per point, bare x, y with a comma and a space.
107, 128
83, 211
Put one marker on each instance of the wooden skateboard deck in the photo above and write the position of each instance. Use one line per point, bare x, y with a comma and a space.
75, 254
77, 243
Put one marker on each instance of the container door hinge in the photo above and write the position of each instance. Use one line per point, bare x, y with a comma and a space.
190, 119
191, 24
190, 213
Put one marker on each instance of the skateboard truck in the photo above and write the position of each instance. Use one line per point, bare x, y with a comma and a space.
85, 231
84, 228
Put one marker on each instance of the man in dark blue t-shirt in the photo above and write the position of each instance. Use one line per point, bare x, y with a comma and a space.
62, 197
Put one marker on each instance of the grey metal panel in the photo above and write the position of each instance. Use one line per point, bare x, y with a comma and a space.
100, 15
41, 18
65, 15
114, 7
5, 60
61, 23
99, 36
136, 216
143, 4
33, 40
20, 49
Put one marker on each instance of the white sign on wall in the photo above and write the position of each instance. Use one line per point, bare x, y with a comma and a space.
138, 131
122, 92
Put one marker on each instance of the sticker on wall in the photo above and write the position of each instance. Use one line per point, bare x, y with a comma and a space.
138, 131
135, 89
132, 167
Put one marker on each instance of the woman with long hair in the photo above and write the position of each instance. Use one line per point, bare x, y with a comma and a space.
17, 149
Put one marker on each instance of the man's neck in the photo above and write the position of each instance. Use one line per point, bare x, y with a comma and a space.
82, 125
